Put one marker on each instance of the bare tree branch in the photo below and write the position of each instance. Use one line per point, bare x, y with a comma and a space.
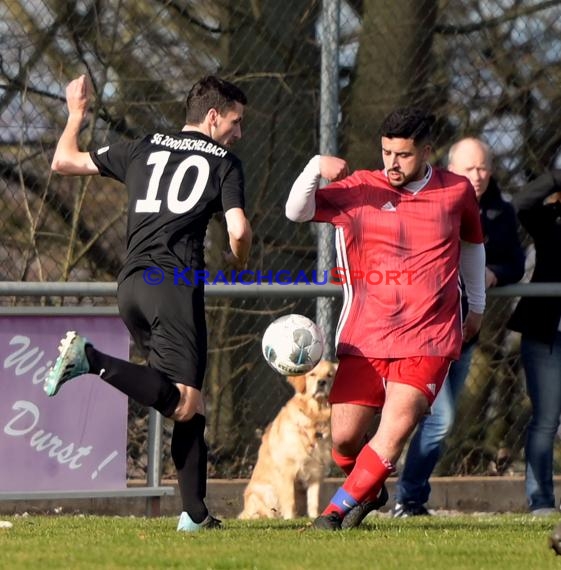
104, 257
513, 14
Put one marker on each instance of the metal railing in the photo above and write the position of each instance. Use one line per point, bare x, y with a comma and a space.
238, 290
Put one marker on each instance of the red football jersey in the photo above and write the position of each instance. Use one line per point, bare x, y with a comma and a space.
400, 252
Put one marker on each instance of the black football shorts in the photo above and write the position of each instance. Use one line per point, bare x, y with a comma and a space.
167, 323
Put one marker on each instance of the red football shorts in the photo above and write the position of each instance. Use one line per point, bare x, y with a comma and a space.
361, 380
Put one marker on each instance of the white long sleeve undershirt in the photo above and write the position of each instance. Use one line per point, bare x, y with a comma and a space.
472, 269
301, 203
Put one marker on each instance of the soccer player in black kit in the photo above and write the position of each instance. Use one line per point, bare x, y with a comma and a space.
175, 183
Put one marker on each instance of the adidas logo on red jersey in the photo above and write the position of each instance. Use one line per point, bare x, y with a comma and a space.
389, 207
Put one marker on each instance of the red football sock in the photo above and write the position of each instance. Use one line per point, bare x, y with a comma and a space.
363, 483
368, 476
344, 462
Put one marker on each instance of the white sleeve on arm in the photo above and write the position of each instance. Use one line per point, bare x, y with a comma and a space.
301, 203
472, 268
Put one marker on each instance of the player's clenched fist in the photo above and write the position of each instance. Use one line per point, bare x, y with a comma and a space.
78, 94
333, 168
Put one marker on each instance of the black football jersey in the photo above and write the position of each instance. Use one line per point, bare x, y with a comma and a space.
175, 184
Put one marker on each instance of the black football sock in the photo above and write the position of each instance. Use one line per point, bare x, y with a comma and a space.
189, 453
146, 385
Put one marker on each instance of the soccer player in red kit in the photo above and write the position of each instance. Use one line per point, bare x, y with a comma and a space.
395, 338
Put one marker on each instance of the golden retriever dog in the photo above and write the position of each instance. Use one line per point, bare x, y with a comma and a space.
295, 452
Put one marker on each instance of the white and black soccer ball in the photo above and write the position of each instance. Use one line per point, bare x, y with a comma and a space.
292, 345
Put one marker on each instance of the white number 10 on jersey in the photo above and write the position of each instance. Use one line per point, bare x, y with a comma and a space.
151, 204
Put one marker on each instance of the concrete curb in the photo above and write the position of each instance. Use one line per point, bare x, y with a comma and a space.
225, 498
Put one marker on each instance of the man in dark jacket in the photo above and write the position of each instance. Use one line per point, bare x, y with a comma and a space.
504, 264
539, 321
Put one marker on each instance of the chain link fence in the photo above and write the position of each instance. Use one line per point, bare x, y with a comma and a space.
486, 68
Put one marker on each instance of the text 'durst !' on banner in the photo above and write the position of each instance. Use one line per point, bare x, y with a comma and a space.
76, 440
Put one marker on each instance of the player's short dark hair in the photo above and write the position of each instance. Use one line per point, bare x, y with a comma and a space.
211, 92
408, 123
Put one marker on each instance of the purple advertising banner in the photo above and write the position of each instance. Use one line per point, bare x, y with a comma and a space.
76, 440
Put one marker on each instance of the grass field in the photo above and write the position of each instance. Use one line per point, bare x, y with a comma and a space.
496, 542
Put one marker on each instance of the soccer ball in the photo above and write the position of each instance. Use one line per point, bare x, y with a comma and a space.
292, 345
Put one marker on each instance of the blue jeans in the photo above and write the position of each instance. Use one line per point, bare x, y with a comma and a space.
425, 448
542, 365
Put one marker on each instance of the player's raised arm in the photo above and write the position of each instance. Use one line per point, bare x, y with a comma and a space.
68, 159
301, 205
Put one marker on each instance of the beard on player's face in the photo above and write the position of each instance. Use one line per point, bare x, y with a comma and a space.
399, 176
